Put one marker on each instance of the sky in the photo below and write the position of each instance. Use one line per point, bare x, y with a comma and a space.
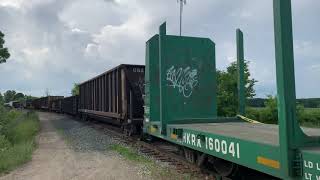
56, 43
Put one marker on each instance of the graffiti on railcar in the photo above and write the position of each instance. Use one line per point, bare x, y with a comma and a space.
185, 79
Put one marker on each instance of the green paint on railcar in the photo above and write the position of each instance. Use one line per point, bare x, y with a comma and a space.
259, 156
187, 78
311, 164
152, 85
240, 63
184, 68
180, 80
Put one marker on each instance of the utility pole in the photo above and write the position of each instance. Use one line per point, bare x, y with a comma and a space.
182, 3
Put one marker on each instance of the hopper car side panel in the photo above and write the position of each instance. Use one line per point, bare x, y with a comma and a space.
56, 105
45, 103
115, 96
70, 104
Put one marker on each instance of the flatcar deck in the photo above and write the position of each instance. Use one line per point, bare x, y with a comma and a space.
260, 133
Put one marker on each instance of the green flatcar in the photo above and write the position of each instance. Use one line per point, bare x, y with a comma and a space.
180, 107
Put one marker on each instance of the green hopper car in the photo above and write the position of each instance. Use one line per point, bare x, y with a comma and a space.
181, 107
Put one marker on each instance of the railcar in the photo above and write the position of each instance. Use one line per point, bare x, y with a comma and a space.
70, 105
115, 96
180, 107
13, 104
27, 104
56, 105
45, 103
17, 104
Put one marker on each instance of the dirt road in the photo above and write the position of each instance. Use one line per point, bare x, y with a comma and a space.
56, 159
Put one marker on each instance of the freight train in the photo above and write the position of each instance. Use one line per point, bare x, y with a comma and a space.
173, 98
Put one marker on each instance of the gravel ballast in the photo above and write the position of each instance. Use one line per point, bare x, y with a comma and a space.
81, 136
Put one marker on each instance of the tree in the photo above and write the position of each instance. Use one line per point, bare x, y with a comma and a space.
19, 97
1, 99
29, 97
270, 115
75, 89
9, 96
12, 95
4, 53
227, 89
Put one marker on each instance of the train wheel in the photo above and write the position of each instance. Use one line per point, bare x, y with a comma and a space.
224, 168
127, 130
190, 155
131, 130
201, 159
84, 117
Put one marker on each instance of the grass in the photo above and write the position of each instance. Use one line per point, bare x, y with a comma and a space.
17, 138
16, 155
129, 154
156, 171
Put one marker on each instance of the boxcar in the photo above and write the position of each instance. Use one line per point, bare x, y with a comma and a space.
115, 96
70, 105
45, 103
56, 105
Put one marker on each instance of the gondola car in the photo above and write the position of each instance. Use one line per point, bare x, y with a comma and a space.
115, 96
45, 103
56, 105
70, 105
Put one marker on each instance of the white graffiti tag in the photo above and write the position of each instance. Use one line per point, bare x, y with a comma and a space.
185, 79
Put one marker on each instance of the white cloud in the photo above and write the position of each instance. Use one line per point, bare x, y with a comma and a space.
308, 49
23, 4
77, 30
55, 43
91, 50
11, 3
315, 67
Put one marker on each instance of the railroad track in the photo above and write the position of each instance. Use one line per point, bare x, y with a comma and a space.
160, 151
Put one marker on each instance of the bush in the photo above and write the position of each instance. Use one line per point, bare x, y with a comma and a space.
17, 133
16, 155
269, 114
310, 117
4, 144
23, 129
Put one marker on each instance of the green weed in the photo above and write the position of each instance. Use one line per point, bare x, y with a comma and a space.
17, 137
156, 171
129, 153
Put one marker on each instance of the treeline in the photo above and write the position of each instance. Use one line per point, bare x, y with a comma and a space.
307, 102
269, 113
12, 95
260, 109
